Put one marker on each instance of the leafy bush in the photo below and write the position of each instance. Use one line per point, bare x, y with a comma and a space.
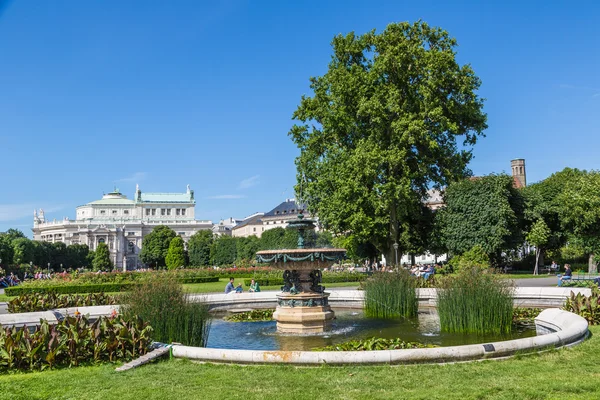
525, 316
374, 343
73, 341
171, 313
49, 301
475, 302
474, 258
586, 306
391, 295
251, 316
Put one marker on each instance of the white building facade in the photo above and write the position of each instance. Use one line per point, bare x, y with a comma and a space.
122, 223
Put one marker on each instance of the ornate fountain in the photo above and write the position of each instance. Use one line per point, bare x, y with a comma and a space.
302, 306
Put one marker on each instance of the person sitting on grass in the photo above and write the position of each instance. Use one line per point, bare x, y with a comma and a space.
238, 288
229, 288
566, 276
254, 286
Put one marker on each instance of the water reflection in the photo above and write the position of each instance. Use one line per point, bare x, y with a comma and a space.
348, 325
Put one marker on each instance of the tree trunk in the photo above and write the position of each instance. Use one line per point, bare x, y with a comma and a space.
537, 261
592, 265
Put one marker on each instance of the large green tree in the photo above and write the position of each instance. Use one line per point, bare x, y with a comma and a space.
580, 213
156, 245
176, 254
247, 247
77, 255
384, 124
102, 260
485, 212
223, 250
23, 250
6, 250
199, 248
272, 239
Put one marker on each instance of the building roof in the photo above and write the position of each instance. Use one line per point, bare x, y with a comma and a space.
167, 198
113, 198
252, 220
289, 206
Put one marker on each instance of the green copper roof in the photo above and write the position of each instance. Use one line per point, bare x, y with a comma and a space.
167, 198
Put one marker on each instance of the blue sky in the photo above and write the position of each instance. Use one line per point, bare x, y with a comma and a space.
101, 93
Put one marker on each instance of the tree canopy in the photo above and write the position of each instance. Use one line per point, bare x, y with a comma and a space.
199, 248
102, 260
156, 245
382, 126
485, 212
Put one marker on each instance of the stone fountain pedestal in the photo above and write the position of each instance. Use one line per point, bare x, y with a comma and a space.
303, 313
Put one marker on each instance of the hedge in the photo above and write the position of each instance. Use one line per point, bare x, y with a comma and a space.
90, 288
327, 278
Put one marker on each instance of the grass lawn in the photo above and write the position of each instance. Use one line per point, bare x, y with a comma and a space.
218, 287
562, 374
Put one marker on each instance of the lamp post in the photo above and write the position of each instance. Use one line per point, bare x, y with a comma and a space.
48, 268
61, 269
396, 250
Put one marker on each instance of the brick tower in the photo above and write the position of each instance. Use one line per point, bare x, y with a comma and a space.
518, 172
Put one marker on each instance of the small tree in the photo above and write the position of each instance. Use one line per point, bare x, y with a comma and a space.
23, 250
474, 258
538, 235
102, 258
176, 254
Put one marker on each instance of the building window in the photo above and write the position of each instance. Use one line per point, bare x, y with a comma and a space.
177, 211
102, 212
147, 211
114, 212
181, 233
101, 240
276, 212
168, 211
130, 233
183, 211
154, 211
126, 212
253, 229
162, 211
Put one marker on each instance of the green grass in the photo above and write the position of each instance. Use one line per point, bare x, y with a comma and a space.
563, 374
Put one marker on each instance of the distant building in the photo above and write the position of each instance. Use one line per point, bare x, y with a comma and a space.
225, 226
251, 225
518, 173
122, 223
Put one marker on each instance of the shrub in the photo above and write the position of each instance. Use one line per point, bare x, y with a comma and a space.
474, 258
171, 313
390, 295
73, 341
586, 306
251, 316
49, 301
475, 302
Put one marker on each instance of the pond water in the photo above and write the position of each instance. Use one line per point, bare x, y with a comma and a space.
350, 324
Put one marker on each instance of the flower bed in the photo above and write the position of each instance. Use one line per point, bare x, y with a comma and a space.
73, 341
49, 301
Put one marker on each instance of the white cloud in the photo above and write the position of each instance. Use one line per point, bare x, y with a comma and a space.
248, 183
135, 178
14, 212
227, 196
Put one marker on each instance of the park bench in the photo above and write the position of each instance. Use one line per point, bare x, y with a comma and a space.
579, 277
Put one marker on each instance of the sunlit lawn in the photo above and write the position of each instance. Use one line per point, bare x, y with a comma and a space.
563, 374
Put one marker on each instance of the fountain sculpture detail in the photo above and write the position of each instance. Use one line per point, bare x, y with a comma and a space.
302, 306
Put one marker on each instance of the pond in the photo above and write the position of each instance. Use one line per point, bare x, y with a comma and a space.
349, 324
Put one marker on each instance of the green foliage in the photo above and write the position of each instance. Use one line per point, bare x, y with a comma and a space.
6, 249
247, 247
272, 239
251, 316
73, 341
586, 306
66, 288
275, 278
381, 128
391, 295
475, 302
199, 247
485, 212
78, 256
525, 316
223, 250
102, 260
176, 254
59, 256
474, 258
49, 301
171, 313
23, 250
374, 343
155, 246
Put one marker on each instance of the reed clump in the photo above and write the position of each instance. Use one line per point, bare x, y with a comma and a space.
162, 302
391, 295
475, 302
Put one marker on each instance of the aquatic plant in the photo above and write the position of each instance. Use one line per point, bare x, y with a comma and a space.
391, 295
